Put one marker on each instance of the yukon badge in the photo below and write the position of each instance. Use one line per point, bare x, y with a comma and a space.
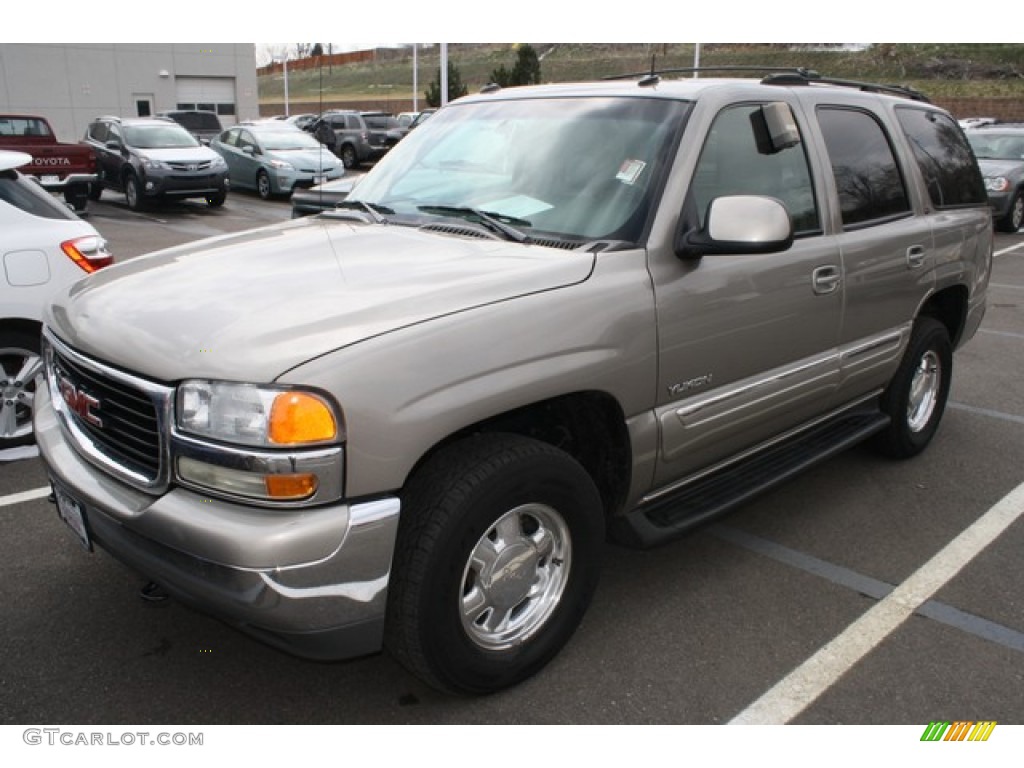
685, 386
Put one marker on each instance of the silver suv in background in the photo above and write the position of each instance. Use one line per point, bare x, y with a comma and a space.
154, 158
346, 134
1000, 152
548, 316
201, 123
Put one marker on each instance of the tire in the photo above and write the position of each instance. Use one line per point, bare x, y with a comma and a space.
1014, 218
217, 199
20, 363
916, 397
348, 156
133, 192
497, 559
263, 185
77, 197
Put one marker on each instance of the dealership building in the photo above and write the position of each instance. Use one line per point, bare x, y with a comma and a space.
72, 83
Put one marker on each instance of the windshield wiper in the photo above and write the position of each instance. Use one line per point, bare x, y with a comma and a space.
373, 209
495, 222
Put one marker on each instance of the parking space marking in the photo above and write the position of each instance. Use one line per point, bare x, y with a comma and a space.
1010, 249
871, 587
1008, 334
17, 498
805, 684
986, 412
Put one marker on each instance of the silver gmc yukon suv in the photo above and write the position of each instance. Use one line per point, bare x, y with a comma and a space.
550, 316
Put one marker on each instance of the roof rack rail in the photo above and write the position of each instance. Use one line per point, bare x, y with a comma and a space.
653, 72
807, 77
776, 76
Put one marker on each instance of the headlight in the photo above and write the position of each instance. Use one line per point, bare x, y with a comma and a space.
154, 164
218, 162
248, 414
997, 184
281, 165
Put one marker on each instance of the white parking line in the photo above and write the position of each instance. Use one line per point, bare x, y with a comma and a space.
1004, 251
17, 498
801, 687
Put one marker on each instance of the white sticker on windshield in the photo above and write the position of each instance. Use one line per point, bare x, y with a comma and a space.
630, 171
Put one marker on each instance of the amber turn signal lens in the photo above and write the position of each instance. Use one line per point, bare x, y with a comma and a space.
285, 487
299, 417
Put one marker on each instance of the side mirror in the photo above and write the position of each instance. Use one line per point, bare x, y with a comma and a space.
249, 150
113, 144
739, 224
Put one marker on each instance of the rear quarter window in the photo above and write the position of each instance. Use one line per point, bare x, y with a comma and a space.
26, 195
944, 157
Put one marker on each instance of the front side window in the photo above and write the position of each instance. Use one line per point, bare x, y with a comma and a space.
944, 157
569, 169
868, 180
738, 160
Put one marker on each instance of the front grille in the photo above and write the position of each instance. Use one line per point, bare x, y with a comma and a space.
191, 167
120, 419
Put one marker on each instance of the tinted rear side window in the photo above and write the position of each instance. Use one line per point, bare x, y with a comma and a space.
868, 180
944, 157
26, 194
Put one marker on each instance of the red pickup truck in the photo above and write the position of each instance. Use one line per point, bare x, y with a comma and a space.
59, 167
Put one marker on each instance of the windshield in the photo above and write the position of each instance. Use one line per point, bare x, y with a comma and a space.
997, 146
573, 169
158, 136
286, 140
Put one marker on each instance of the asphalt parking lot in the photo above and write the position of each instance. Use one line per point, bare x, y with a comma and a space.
862, 557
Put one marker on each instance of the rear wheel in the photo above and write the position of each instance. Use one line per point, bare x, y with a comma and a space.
916, 397
496, 562
20, 364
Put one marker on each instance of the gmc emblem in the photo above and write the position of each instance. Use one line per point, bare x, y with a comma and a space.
81, 403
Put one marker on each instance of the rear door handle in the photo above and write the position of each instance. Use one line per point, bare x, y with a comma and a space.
915, 256
825, 280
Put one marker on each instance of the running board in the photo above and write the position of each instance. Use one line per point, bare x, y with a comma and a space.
722, 491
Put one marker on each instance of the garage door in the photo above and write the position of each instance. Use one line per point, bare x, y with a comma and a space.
216, 94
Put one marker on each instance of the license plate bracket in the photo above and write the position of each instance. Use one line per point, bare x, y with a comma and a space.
73, 513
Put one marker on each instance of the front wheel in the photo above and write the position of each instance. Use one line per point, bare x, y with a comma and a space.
348, 156
263, 185
133, 192
1014, 218
496, 562
916, 397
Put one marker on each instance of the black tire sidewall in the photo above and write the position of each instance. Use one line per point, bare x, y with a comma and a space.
454, 661
899, 440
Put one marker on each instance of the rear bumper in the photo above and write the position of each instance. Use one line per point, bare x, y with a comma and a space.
329, 605
72, 179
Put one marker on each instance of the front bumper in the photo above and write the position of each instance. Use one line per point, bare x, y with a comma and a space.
170, 184
312, 582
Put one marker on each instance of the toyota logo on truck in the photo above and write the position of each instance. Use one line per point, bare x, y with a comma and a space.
84, 405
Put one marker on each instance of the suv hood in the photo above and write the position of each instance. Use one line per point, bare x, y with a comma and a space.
991, 167
179, 154
250, 306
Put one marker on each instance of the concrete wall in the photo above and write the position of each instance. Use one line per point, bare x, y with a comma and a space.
72, 83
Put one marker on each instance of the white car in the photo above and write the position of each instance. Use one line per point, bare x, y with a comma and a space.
44, 248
